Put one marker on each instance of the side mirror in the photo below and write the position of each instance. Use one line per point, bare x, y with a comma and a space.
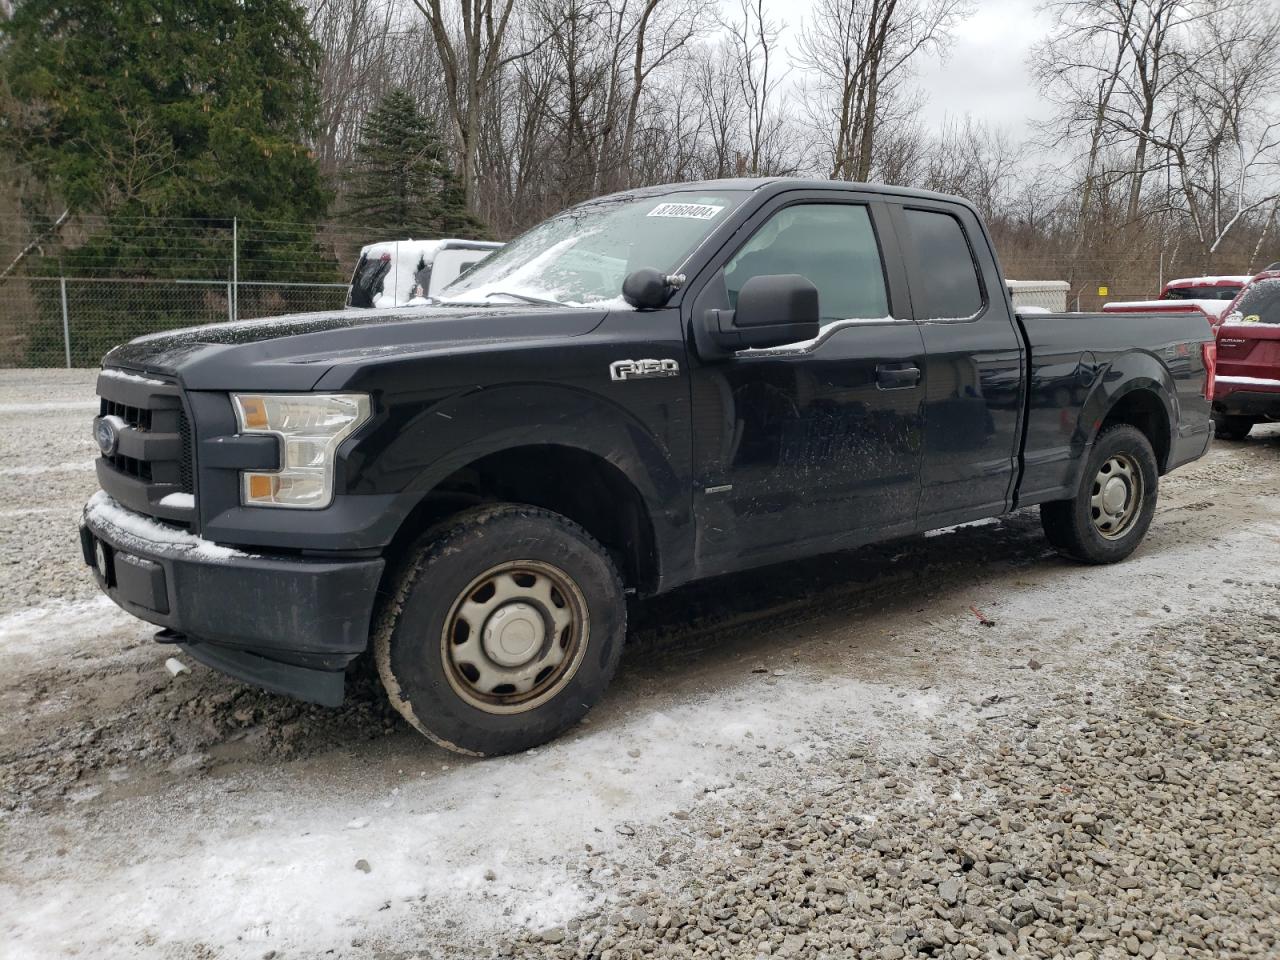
772, 311
647, 288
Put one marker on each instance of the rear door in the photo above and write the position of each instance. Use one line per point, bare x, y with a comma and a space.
974, 357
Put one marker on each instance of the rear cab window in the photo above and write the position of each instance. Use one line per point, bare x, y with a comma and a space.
944, 282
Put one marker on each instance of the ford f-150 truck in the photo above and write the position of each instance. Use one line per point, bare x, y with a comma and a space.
662, 385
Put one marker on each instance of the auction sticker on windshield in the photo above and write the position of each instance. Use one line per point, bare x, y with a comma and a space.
690, 211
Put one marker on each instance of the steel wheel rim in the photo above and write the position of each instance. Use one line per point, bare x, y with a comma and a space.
515, 637
1116, 497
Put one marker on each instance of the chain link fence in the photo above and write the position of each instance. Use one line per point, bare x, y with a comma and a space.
73, 321
67, 296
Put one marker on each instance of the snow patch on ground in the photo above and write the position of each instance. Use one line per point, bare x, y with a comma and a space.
429, 840
52, 406
60, 627
85, 466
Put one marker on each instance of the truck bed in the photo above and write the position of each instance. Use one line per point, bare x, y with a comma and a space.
1066, 384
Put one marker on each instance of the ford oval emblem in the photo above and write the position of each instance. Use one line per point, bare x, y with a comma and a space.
107, 435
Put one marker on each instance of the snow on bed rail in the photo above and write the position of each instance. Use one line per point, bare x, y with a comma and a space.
145, 531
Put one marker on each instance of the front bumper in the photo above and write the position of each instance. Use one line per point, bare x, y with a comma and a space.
290, 624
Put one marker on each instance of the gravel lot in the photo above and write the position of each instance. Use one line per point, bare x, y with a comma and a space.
951, 746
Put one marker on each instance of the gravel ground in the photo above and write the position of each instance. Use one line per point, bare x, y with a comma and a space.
950, 746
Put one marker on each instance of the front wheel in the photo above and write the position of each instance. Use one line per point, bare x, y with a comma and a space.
1232, 428
505, 628
1112, 509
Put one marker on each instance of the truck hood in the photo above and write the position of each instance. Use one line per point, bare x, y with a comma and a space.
293, 352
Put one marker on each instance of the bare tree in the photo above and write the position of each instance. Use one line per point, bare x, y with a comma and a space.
721, 96
754, 41
976, 161
862, 52
1223, 135
471, 55
661, 34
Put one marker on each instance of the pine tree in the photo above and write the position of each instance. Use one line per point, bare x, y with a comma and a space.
402, 184
145, 111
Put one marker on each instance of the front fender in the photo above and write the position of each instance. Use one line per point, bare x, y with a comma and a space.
419, 445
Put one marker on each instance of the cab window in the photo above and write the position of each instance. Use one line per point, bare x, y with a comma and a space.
945, 284
832, 245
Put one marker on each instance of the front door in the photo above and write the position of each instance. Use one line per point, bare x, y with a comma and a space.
815, 445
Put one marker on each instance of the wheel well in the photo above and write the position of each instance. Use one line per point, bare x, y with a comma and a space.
582, 486
1143, 409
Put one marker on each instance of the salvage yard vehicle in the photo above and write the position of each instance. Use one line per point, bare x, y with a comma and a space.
1247, 386
1225, 288
654, 387
1211, 310
400, 273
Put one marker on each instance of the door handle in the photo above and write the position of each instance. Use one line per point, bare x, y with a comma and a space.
897, 377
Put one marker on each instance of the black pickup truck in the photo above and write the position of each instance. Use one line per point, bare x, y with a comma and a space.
653, 387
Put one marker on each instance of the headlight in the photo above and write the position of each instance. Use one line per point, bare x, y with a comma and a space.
310, 427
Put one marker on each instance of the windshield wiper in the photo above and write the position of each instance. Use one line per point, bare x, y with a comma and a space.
525, 297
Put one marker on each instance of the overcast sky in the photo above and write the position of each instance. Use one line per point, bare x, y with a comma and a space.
986, 73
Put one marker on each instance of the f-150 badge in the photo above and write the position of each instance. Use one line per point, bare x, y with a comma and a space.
643, 369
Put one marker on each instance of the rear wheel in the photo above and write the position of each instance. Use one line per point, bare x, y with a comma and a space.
1232, 428
1112, 509
505, 628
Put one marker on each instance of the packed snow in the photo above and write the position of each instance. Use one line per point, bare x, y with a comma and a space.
1212, 308
52, 406
36, 469
113, 374
1210, 281
484, 843
146, 532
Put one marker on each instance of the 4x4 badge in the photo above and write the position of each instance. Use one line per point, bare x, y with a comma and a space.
643, 369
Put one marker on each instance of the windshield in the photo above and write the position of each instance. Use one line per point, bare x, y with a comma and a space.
583, 255
1260, 303
1201, 293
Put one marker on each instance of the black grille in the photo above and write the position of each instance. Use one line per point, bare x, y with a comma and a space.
186, 467
154, 453
139, 417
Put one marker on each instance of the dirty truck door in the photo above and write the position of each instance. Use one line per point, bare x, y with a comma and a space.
811, 445
973, 405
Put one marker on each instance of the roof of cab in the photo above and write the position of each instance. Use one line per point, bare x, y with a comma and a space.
773, 185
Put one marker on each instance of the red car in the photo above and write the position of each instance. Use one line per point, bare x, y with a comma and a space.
1211, 310
1247, 382
1204, 288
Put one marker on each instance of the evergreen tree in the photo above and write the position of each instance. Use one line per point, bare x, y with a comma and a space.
402, 184
150, 110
